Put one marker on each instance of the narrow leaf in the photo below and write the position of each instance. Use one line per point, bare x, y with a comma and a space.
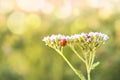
95, 65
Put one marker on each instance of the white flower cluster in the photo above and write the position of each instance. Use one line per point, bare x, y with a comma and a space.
104, 36
91, 39
54, 40
90, 35
54, 37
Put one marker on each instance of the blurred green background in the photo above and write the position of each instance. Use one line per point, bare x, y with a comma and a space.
24, 23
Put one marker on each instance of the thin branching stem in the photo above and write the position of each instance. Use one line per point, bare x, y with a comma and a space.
72, 47
92, 61
78, 73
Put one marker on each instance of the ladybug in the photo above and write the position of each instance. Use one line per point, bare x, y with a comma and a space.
63, 42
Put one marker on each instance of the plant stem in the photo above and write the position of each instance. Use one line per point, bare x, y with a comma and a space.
77, 53
93, 57
88, 65
89, 62
79, 74
76, 72
88, 75
88, 71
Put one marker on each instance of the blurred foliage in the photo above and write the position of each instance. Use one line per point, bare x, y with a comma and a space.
23, 55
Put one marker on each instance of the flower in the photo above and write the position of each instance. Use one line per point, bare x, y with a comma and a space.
89, 41
54, 40
86, 41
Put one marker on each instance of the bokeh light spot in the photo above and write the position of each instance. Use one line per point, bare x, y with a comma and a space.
65, 11
6, 6
17, 22
29, 5
33, 21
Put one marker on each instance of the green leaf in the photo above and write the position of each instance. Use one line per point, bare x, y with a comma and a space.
95, 65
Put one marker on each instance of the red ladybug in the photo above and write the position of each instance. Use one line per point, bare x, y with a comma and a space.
63, 42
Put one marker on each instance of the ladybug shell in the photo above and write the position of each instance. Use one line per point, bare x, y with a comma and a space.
63, 42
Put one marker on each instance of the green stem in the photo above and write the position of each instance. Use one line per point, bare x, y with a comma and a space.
77, 53
88, 71
93, 57
79, 74
88, 65
88, 75
90, 58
